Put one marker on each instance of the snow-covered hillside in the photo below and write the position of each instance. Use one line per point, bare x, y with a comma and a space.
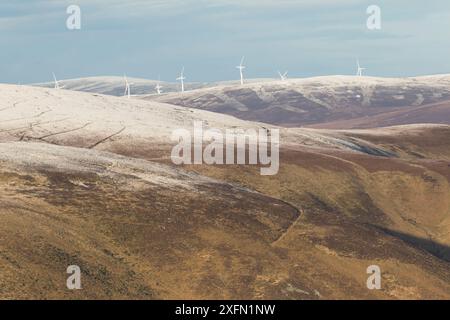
115, 86
298, 102
44, 113
88, 120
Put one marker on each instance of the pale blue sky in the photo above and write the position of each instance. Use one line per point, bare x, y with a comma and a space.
147, 38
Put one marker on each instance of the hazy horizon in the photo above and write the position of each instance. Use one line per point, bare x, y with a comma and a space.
151, 39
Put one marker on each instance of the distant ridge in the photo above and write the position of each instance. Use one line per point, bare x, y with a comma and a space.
114, 85
313, 101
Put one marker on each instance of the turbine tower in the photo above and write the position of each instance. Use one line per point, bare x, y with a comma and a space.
127, 88
283, 76
241, 68
182, 78
359, 73
158, 87
57, 86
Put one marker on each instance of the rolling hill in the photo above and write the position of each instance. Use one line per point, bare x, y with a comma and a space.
86, 179
312, 101
115, 86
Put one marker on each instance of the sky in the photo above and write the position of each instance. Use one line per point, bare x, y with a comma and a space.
156, 38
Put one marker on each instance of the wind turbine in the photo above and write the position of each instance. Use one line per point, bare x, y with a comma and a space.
182, 78
283, 76
359, 73
57, 86
158, 87
127, 87
241, 68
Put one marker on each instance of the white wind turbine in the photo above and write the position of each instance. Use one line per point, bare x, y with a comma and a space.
283, 76
182, 78
158, 87
127, 87
241, 68
359, 73
57, 86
